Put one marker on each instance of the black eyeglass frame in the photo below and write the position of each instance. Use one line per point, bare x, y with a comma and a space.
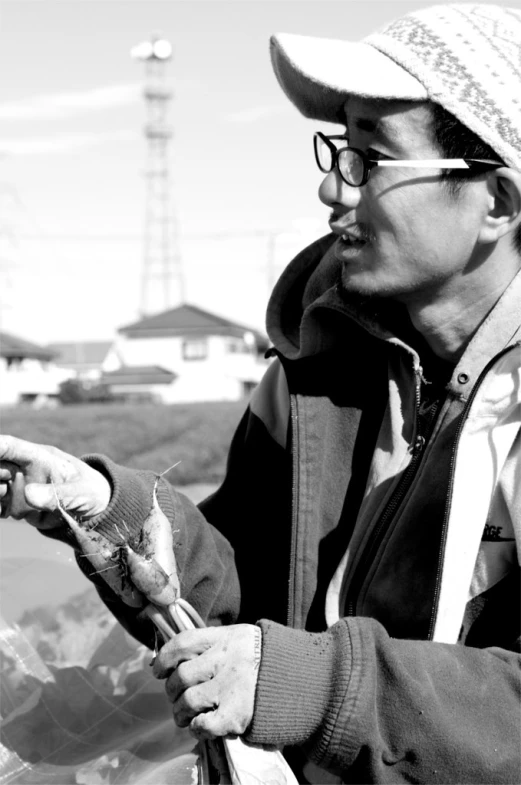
369, 164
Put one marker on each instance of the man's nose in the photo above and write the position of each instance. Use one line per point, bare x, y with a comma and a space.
333, 190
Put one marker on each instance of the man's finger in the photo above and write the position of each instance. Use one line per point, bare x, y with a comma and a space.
42, 461
17, 451
212, 724
188, 674
185, 646
15, 503
201, 698
5, 499
7, 470
37, 508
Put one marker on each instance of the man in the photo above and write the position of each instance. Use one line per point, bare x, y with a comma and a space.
372, 504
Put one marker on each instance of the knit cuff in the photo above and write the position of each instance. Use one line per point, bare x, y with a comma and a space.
130, 502
303, 679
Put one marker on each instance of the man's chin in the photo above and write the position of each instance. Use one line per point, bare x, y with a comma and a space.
374, 281
359, 285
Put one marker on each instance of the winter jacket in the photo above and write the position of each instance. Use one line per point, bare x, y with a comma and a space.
376, 547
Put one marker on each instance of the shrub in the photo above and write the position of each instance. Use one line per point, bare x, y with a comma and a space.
78, 391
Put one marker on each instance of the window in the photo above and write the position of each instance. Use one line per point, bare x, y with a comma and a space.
195, 349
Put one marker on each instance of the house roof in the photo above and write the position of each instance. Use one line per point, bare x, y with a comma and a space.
138, 374
13, 346
188, 321
77, 354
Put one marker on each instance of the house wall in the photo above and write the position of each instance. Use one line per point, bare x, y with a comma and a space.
220, 375
114, 358
182, 391
29, 378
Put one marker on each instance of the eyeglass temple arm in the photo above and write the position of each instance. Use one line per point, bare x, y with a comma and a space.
439, 163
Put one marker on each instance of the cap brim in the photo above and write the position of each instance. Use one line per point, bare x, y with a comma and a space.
317, 74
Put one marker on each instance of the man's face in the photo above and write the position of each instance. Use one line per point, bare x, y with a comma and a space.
402, 234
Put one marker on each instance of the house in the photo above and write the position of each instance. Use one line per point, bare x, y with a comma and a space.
84, 360
27, 372
186, 354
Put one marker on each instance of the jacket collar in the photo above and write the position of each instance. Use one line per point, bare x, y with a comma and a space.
500, 329
299, 320
307, 291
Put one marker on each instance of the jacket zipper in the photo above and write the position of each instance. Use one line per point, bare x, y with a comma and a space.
450, 490
294, 509
396, 499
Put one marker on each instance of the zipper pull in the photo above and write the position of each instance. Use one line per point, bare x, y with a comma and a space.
419, 444
418, 377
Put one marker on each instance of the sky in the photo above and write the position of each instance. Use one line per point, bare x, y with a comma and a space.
73, 156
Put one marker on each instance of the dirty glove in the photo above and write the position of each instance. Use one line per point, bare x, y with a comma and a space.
28, 473
211, 675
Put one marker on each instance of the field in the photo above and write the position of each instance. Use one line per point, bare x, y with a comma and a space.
140, 436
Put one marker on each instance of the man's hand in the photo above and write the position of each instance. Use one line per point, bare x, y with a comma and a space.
211, 675
32, 476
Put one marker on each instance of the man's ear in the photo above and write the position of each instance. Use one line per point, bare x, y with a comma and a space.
504, 204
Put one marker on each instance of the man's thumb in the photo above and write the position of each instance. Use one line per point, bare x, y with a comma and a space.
75, 497
42, 496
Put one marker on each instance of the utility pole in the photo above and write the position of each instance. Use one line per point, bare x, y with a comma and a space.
162, 281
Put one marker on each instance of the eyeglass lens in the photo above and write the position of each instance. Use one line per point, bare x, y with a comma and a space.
324, 155
349, 162
351, 167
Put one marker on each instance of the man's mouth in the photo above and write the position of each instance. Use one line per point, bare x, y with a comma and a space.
353, 236
352, 240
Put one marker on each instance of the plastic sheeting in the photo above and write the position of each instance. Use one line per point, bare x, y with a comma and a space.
78, 703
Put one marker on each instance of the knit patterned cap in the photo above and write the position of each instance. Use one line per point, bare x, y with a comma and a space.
465, 57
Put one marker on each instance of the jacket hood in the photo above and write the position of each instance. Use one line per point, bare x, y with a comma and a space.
307, 309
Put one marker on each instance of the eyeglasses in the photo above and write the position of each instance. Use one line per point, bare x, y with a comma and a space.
355, 166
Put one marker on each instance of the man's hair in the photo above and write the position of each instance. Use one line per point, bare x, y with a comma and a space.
455, 140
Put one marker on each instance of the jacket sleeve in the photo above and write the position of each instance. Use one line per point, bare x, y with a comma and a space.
204, 558
213, 543
252, 507
375, 709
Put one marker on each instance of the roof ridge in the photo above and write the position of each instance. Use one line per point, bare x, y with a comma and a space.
174, 318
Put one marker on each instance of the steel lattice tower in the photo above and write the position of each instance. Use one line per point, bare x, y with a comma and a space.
162, 283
